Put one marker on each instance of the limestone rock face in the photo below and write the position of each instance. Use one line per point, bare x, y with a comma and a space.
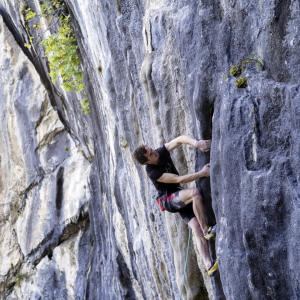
44, 179
79, 217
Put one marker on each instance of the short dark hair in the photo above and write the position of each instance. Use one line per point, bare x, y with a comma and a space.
139, 156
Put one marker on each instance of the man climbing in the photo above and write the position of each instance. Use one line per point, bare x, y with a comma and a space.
171, 197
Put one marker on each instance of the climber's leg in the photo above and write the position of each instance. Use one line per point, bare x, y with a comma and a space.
193, 196
201, 242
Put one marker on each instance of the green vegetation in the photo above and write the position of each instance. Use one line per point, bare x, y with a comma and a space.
60, 47
241, 82
29, 14
85, 105
237, 69
66, 149
63, 58
23, 8
260, 63
19, 278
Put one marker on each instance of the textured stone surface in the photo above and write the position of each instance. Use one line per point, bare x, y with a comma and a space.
153, 70
264, 151
64, 276
44, 177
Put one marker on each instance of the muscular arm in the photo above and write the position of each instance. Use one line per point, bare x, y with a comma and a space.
203, 145
173, 178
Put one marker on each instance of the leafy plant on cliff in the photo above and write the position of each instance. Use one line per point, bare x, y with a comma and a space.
237, 69
63, 58
60, 47
19, 278
23, 8
85, 106
241, 82
29, 14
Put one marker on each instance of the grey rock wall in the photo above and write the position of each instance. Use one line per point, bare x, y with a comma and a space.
44, 179
83, 223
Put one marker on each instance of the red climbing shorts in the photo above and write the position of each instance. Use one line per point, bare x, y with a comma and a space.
173, 204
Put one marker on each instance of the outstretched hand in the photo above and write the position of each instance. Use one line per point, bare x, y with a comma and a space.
203, 145
206, 170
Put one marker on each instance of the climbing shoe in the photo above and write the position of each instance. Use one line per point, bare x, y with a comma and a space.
213, 269
211, 232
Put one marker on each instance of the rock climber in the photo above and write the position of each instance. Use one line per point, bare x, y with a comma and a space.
172, 198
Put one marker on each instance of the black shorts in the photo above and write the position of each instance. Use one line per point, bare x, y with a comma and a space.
173, 204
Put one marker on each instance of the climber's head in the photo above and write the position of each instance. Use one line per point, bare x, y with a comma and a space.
145, 155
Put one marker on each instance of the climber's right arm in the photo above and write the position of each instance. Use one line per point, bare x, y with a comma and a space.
173, 178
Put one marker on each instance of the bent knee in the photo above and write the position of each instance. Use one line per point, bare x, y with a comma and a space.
196, 192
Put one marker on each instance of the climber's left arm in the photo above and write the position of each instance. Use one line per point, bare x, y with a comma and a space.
203, 145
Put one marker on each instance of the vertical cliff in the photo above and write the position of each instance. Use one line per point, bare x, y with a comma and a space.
78, 216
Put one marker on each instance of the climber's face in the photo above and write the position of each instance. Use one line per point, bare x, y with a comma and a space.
152, 156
